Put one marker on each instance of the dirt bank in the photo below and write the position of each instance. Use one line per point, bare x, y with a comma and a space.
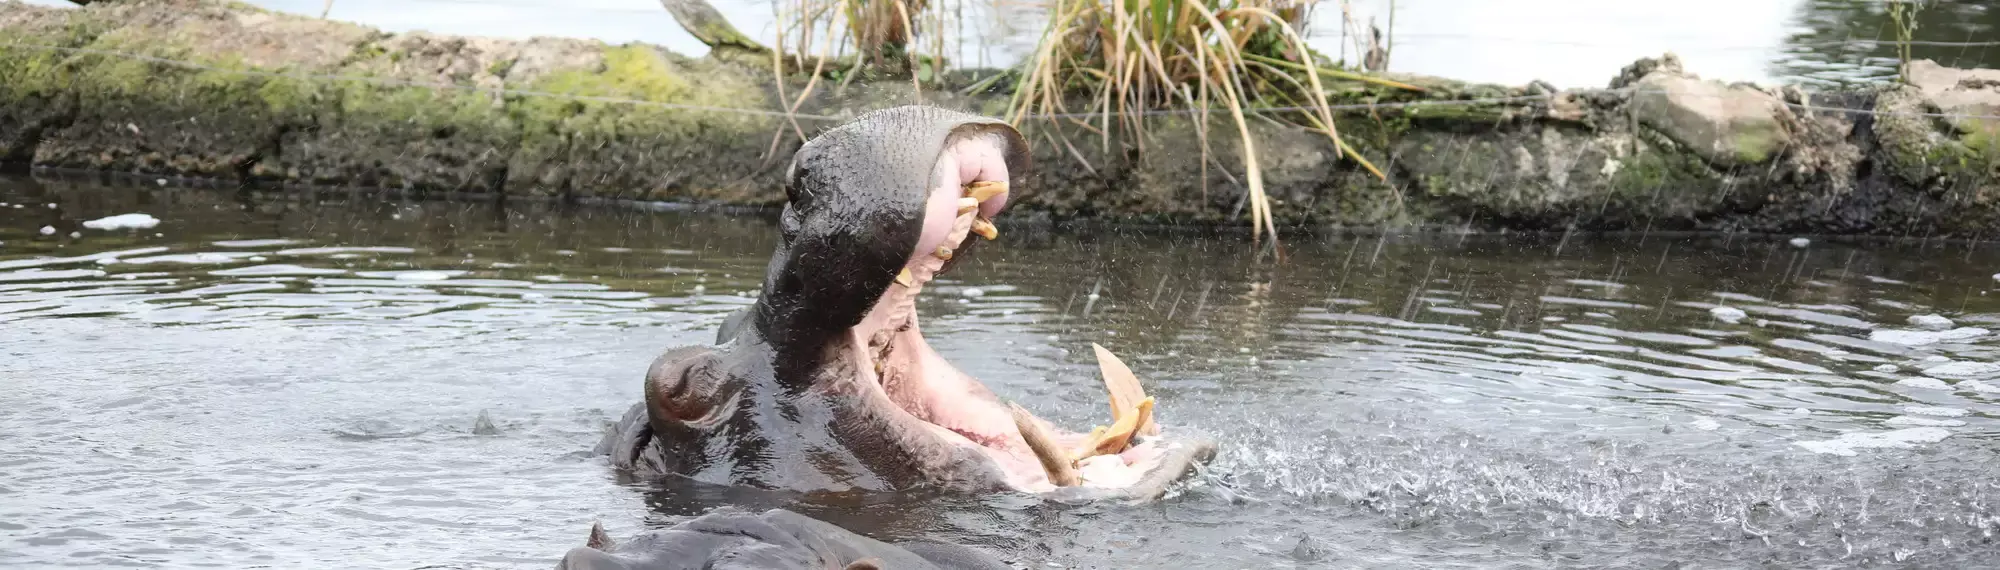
280, 99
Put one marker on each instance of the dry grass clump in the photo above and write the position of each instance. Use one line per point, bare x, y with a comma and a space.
1127, 57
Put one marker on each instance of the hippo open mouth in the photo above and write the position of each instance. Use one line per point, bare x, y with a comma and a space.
827, 383
932, 394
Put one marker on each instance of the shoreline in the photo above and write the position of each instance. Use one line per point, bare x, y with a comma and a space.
1009, 224
268, 100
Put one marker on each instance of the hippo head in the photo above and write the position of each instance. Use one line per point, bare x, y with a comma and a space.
827, 383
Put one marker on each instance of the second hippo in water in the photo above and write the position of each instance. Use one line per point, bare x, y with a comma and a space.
774, 540
826, 382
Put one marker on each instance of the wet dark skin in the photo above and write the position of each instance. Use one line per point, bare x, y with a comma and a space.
792, 396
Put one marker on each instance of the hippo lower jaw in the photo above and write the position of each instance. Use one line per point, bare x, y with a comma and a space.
899, 371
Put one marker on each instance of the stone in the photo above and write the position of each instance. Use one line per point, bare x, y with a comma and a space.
1960, 92
1724, 124
1954, 151
1668, 63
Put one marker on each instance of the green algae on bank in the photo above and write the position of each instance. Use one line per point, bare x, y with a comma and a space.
218, 90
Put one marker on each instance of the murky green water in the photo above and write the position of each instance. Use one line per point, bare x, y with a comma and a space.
293, 380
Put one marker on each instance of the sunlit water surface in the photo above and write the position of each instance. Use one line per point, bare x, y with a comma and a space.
294, 381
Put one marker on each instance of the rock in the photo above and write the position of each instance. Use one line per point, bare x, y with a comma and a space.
1974, 92
1952, 151
1667, 63
1726, 125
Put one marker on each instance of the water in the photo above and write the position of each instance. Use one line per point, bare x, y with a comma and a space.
293, 381
1570, 43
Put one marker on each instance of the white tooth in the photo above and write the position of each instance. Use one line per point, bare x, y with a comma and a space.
943, 252
985, 228
966, 205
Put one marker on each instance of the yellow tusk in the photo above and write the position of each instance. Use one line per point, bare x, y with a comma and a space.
984, 190
1123, 385
967, 205
906, 279
985, 228
1053, 459
1117, 438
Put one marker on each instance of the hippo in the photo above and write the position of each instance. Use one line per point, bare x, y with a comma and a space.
774, 540
826, 384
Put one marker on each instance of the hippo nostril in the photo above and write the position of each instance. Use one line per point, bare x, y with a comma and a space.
682, 386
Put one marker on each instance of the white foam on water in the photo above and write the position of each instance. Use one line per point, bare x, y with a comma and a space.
1924, 383
1706, 424
1920, 421
133, 221
1977, 386
1848, 445
1930, 322
1935, 411
427, 275
1919, 338
1964, 369
1728, 314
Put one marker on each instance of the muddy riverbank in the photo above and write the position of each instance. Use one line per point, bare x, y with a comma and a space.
212, 90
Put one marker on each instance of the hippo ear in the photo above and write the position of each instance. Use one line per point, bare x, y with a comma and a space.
599, 539
865, 564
